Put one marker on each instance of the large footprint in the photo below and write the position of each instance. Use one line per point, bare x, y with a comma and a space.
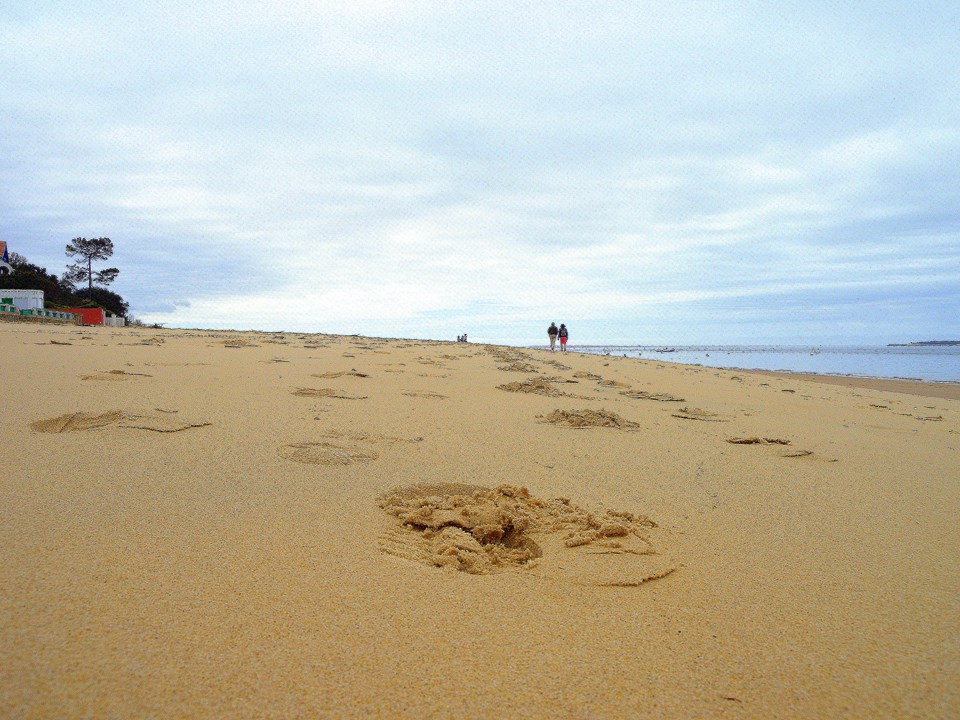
483, 530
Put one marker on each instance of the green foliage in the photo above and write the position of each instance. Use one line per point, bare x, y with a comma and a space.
101, 297
27, 276
57, 293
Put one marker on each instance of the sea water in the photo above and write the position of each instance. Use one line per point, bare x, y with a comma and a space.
938, 363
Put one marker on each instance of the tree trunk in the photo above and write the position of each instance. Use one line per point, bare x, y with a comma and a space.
90, 277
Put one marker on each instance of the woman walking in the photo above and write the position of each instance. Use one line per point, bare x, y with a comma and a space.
564, 334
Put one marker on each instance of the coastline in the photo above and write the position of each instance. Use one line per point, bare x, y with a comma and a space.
923, 388
221, 524
938, 365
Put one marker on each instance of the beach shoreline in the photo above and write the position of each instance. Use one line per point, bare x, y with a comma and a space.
222, 524
929, 364
925, 388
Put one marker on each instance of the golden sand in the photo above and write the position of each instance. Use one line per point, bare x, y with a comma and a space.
193, 526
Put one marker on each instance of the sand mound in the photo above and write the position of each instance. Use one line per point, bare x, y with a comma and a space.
588, 418
518, 367
238, 343
535, 386
342, 373
482, 530
613, 383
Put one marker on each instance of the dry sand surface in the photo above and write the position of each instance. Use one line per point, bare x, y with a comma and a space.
199, 524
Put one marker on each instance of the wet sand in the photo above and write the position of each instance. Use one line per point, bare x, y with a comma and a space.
221, 524
947, 391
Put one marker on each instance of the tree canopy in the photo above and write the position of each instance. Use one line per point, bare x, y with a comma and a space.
27, 276
87, 251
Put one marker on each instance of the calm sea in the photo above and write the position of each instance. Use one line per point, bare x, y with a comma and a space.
935, 363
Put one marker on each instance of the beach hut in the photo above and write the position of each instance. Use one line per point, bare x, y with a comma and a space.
91, 316
24, 299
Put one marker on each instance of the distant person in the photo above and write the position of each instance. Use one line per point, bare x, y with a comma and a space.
465, 337
552, 332
564, 334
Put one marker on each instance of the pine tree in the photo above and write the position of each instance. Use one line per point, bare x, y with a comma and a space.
88, 251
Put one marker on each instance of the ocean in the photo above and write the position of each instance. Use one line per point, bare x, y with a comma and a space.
931, 363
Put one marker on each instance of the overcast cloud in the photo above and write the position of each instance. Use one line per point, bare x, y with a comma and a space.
645, 172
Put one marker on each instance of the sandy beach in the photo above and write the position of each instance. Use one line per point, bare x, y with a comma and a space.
205, 524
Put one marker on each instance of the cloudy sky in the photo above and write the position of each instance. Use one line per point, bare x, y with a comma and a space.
647, 172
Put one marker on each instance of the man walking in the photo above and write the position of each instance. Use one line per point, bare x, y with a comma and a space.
552, 333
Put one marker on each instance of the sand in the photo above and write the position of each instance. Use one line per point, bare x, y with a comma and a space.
221, 525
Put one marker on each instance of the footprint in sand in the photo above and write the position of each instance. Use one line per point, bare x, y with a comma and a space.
644, 395
113, 376
581, 419
425, 394
686, 413
325, 453
326, 393
757, 441
237, 343
792, 453
147, 420
482, 531
341, 448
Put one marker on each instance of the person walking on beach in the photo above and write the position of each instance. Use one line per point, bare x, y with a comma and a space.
552, 332
564, 334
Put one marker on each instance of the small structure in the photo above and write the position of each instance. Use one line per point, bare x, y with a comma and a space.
90, 315
98, 316
5, 267
24, 299
27, 305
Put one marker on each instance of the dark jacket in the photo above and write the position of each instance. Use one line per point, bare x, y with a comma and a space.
564, 332
552, 330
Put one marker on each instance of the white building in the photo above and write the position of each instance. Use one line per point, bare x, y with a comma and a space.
24, 299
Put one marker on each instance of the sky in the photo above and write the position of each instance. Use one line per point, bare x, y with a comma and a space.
646, 172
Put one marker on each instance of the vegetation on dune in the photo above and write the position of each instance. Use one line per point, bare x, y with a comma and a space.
62, 291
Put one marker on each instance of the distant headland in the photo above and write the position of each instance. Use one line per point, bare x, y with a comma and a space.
924, 343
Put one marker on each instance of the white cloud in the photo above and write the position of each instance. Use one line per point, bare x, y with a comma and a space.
384, 165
